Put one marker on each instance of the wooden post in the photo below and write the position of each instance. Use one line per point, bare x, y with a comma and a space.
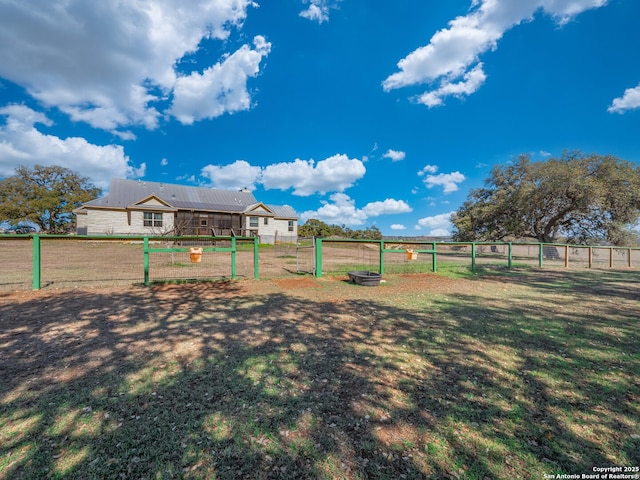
590, 257
610, 257
566, 256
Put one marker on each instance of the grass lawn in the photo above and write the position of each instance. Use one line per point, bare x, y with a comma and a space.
491, 376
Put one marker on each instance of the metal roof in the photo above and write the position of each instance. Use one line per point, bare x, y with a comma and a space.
126, 193
283, 211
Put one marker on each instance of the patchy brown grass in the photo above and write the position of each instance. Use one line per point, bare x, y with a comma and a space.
509, 376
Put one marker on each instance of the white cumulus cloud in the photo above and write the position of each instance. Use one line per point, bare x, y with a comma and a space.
22, 144
395, 155
470, 83
235, 176
318, 10
451, 64
630, 100
428, 169
398, 226
221, 88
386, 207
306, 177
341, 210
113, 63
437, 225
448, 181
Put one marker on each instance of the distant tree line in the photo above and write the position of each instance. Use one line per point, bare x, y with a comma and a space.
317, 228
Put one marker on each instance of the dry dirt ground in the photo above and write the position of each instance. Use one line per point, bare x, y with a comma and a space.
58, 311
38, 326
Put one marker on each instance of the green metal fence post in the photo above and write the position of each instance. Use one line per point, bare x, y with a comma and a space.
540, 255
318, 257
146, 261
473, 257
36, 262
233, 258
510, 257
255, 258
434, 261
381, 270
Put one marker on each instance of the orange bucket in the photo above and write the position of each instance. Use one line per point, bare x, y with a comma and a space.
195, 254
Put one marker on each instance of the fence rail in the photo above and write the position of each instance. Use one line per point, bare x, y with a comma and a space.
397, 256
52, 261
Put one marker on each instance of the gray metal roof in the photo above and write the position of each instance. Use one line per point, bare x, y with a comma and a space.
283, 211
125, 193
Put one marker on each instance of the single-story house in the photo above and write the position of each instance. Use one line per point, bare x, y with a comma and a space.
135, 207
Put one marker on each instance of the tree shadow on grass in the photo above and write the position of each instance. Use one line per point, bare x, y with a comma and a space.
206, 381
584, 285
573, 392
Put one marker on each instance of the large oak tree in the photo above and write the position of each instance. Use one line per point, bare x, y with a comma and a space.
45, 196
579, 198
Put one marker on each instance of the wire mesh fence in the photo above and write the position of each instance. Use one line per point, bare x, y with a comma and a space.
187, 259
73, 261
306, 255
16, 260
342, 257
277, 260
408, 258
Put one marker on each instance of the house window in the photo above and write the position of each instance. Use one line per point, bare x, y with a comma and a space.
152, 219
266, 220
291, 225
253, 222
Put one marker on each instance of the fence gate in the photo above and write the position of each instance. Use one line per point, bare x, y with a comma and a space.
306, 255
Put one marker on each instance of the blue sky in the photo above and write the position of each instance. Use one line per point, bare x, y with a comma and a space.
355, 112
